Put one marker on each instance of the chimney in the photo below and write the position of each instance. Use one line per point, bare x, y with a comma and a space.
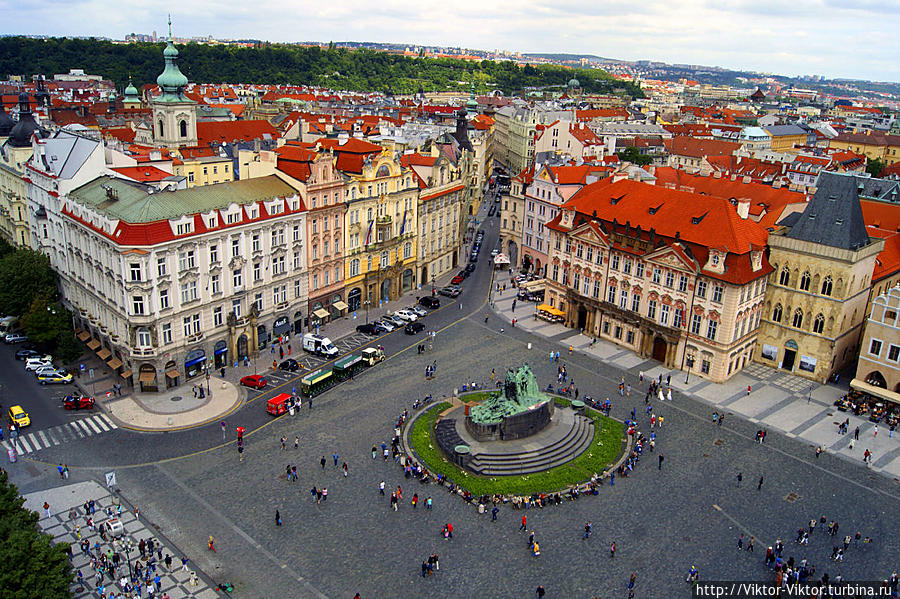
776, 184
717, 174
743, 207
746, 179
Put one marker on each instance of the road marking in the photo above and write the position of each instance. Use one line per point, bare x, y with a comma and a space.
74, 426
44, 438
109, 422
99, 422
34, 441
64, 433
24, 444
6, 445
52, 436
90, 422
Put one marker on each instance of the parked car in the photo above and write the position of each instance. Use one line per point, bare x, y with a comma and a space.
430, 302
19, 416
418, 310
367, 329
413, 328
494, 252
395, 320
388, 325
49, 369
78, 402
24, 354
473, 257
15, 338
256, 381
470, 268
32, 364
406, 315
319, 345
56, 377
383, 327
457, 280
291, 365
449, 291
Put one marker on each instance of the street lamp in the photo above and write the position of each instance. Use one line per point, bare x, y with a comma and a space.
433, 292
366, 304
690, 364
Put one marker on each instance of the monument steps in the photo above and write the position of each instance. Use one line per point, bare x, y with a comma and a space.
565, 449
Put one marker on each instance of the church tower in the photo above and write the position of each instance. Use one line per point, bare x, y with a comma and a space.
174, 114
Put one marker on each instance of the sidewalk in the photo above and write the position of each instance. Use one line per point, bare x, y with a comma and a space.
177, 581
799, 408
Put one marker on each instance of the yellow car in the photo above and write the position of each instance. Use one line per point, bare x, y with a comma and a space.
18, 416
54, 377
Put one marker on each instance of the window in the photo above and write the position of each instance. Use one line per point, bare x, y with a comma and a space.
315, 281
682, 283
354, 267
166, 334
618, 332
586, 288
137, 305
623, 299
235, 248
589, 254
626, 268
182, 128
635, 302
670, 279
143, 337
186, 260
296, 288
257, 272
611, 294
678, 319
315, 252
297, 263
191, 177
217, 316
238, 279
696, 321
191, 325
135, 271
278, 265
804, 281
576, 281
556, 272
279, 295
717, 294
711, 330
214, 280
664, 314
701, 288
819, 324
296, 233
785, 277
188, 292
776, 313
893, 353
277, 237
606, 328
599, 257
657, 275
385, 259
639, 270
236, 307
254, 242
258, 301
875, 347
184, 228
213, 254
161, 268
629, 337
615, 262
651, 309
596, 293
568, 245
579, 250
826, 286
798, 318
704, 366
163, 299
407, 249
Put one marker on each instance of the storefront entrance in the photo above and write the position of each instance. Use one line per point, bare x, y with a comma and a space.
659, 349
194, 363
221, 354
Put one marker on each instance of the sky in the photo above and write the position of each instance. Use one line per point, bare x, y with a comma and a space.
834, 38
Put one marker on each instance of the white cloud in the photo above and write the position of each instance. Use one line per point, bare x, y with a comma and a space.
828, 37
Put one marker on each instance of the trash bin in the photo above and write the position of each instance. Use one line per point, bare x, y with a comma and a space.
11, 453
291, 410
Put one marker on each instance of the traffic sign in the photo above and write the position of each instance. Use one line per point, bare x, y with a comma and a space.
111, 479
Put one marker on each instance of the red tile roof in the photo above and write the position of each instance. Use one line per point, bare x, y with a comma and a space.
417, 160
144, 174
699, 148
228, 131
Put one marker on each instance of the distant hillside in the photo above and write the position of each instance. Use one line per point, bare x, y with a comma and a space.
567, 57
336, 68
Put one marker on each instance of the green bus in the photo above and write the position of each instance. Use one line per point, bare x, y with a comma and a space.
347, 366
317, 381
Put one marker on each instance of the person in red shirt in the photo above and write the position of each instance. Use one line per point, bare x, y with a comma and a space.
524, 523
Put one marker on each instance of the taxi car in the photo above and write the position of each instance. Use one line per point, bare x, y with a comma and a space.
54, 377
19, 417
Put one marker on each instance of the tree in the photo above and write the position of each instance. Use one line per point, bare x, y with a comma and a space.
633, 155
24, 276
874, 167
32, 565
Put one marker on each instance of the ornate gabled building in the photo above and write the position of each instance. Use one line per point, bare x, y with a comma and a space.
823, 260
672, 275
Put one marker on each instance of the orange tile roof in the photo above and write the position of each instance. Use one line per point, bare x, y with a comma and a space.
227, 131
417, 159
144, 174
699, 148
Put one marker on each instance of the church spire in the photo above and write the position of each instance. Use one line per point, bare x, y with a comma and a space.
171, 81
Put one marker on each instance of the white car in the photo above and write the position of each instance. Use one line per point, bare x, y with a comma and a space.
418, 311
49, 369
390, 325
32, 364
407, 315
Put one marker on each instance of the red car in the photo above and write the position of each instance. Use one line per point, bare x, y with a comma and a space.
257, 381
78, 402
457, 280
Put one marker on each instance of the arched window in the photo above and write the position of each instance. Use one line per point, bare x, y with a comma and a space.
785, 276
354, 267
826, 286
804, 281
407, 250
159, 126
182, 128
776, 313
819, 324
798, 318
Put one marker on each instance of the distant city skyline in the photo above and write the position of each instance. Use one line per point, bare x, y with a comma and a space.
804, 37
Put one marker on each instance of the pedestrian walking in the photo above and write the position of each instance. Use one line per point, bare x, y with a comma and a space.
540, 591
875, 434
494, 512
748, 389
750, 543
297, 442
739, 477
740, 542
587, 530
856, 434
759, 484
47, 509
322, 462
818, 451
381, 488
523, 526
335, 457
277, 518
612, 546
283, 443
661, 458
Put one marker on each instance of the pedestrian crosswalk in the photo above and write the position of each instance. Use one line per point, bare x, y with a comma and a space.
51, 437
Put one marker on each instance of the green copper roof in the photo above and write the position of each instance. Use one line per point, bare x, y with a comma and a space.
134, 203
171, 81
131, 92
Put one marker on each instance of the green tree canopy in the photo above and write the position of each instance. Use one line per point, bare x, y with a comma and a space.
633, 155
24, 276
874, 167
32, 565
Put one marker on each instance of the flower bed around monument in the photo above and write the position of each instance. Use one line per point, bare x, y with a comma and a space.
605, 448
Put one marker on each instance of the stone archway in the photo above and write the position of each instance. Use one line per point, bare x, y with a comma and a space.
243, 347
512, 251
876, 379
386, 290
354, 299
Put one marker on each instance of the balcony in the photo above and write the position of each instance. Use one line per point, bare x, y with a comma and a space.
144, 352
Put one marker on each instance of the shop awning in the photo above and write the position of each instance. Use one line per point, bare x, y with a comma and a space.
114, 363
104, 353
340, 305
94, 343
550, 310
172, 373
126, 374
861, 385
321, 313
534, 285
83, 335
147, 376
501, 259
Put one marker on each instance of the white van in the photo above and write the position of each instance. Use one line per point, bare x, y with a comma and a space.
316, 344
8, 324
